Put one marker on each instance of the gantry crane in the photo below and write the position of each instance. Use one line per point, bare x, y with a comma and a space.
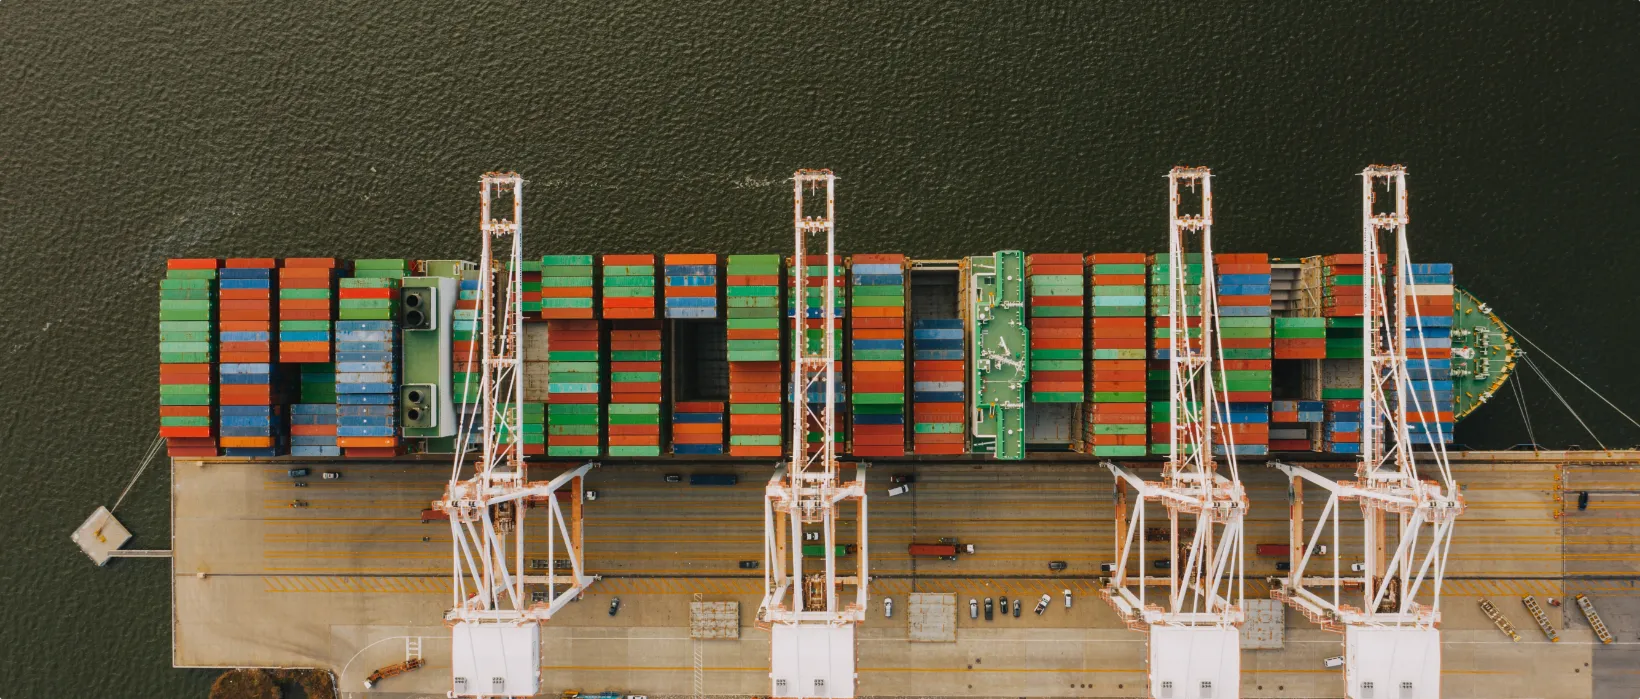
495, 625
1392, 643
1194, 640
811, 624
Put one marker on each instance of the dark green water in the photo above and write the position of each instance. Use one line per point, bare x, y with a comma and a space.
135, 131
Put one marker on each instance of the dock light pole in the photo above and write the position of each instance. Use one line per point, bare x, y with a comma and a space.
1392, 641
811, 626
495, 623
1194, 635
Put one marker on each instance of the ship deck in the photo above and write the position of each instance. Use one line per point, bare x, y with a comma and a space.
341, 584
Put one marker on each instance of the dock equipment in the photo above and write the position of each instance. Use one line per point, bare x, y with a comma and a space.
811, 623
1390, 639
1498, 619
999, 341
393, 670
1536, 610
1599, 626
495, 623
1194, 639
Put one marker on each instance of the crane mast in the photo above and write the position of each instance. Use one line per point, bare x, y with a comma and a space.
811, 625
495, 623
1194, 635
1392, 639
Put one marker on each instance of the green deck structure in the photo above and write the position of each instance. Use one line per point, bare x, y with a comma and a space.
999, 343
1478, 333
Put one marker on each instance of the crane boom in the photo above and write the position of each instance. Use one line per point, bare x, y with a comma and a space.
495, 623
1391, 637
812, 629
1194, 640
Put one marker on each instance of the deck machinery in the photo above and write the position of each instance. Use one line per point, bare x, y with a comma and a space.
495, 623
811, 624
1194, 640
1392, 643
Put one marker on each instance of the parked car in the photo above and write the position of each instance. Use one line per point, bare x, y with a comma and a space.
332, 475
1056, 565
750, 565
1107, 567
1284, 565
1016, 607
614, 606
899, 490
888, 607
674, 478
591, 495
1582, 501
1042, 604
1067, 598
973, 608
1358, 567
811, 536
299, 472
990, 606
902, 478
1161, 563
1002, 604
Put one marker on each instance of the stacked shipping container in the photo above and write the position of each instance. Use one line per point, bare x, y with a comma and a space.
1244, 384
691, 287
574, 415
313, 419
367, 369
629, 287
1342, 304
1427, 297
635, 388
877, 349
187, 326
697, 428
251, 421
306, 288
1058, 348
755, 424
938, 374
566, 287
1113, 423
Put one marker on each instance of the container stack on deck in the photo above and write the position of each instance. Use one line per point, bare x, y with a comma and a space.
697, 428
1342, 304
814, 334
1114, 419
313, 419
755, 424
529, 281
566, 287
629, 287
635, 388
1290, 423
187, 354
306, 290
939, 404
367, 368
574, 415
877, 346
252, 418
1243, 293
1190, 307
1430, 308
691, 287
1058, 354
534, 427
467, 357
1300, 338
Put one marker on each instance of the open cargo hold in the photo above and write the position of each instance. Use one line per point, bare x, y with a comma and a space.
187, 355
877, 335
691, 286
753, 296
1114, 418
809, 315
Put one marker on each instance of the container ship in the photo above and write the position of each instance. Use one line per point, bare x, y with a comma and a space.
1006, 355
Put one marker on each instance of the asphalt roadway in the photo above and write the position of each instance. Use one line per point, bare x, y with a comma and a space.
344, 582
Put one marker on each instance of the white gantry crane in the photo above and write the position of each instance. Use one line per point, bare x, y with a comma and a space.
1194, 634
1392, 642
495, 624
810, 622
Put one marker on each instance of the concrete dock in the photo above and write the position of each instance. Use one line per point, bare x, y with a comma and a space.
346, 581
